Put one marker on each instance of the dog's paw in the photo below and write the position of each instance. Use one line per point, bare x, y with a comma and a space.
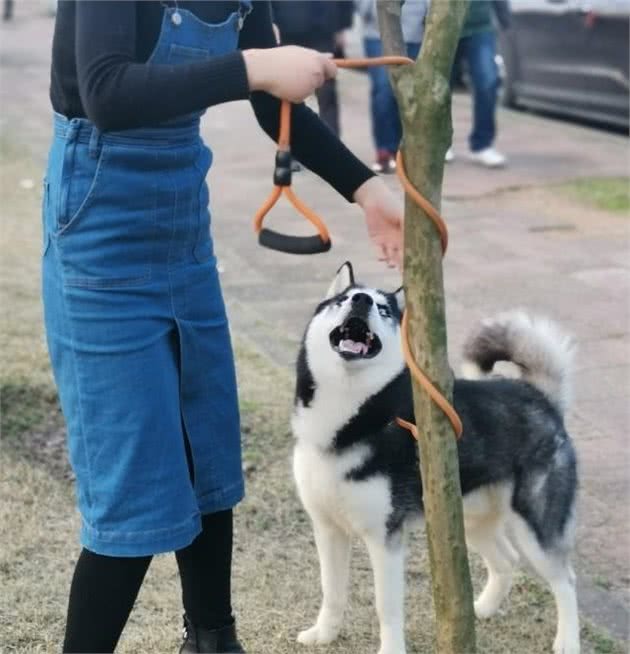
566, 646
317, 635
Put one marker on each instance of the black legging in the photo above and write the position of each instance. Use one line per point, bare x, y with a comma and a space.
104, 588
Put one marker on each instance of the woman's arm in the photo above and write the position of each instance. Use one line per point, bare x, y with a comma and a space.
119, 93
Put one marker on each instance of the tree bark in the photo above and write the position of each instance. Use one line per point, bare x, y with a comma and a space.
424, 99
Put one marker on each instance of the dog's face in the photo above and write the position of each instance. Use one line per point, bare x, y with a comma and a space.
356, 325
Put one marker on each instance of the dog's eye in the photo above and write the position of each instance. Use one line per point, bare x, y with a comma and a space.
383, 309
341, 300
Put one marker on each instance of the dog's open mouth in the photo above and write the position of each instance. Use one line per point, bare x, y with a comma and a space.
354, 340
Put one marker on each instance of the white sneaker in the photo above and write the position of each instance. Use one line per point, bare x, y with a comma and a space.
488, 157
449, 156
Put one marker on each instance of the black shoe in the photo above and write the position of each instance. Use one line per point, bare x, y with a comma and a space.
198, 640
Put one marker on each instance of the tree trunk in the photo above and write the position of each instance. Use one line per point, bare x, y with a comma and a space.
424, 99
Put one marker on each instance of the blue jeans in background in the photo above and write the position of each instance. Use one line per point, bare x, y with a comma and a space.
386, 128
478, 51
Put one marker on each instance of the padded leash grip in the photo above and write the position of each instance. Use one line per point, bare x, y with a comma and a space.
293, 244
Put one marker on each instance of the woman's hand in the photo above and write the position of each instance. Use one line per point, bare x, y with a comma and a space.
384, 219
289, 72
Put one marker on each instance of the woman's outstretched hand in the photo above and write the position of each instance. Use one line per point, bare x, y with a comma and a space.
384, 220
288, 72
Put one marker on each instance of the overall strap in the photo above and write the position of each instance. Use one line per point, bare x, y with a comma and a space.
244, 9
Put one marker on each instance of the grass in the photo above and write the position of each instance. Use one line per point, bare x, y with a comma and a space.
606, 193
27, 395
276, 575
601, 643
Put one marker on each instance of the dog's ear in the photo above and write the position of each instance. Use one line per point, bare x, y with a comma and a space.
399, 294
343, 279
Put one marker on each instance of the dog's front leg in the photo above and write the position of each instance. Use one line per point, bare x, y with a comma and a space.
388, 564
333, 547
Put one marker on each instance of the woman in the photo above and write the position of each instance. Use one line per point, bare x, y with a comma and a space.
135, 320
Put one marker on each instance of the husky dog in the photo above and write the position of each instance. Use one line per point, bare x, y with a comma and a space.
357, 471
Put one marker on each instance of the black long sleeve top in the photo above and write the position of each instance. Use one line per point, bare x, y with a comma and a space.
100, 72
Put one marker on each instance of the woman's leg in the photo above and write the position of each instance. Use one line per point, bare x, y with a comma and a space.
205, 568
102, 594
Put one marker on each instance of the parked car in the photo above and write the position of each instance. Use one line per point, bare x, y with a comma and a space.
570, 57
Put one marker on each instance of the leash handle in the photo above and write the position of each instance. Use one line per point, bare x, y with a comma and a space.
292, 244
282, 177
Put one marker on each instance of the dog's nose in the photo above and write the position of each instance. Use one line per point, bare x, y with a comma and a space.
362, 299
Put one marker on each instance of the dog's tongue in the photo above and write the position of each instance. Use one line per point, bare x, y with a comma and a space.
352, 346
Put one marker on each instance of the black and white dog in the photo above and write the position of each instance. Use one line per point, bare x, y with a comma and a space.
357, 471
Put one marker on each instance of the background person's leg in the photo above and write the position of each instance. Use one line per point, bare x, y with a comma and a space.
480, 53
7, 13
383, 109
102, 594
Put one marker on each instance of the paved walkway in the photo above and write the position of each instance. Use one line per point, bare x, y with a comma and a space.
515, 241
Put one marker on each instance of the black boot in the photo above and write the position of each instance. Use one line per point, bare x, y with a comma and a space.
198, 640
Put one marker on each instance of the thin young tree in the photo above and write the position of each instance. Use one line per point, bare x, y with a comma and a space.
424, 100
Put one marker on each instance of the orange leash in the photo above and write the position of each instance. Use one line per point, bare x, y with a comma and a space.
321, 242
415, 370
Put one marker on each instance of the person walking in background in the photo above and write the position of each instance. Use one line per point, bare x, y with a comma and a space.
317, 25
386, 127
477, 48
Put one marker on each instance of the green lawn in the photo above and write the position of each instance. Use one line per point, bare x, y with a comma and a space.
607, 193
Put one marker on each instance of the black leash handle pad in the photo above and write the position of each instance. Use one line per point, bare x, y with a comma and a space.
292, 244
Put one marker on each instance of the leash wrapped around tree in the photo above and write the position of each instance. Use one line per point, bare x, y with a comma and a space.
321, 242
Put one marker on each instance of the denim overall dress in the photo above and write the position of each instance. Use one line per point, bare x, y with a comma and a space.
135, 320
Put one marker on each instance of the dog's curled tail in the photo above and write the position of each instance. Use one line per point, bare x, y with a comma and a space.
542, 352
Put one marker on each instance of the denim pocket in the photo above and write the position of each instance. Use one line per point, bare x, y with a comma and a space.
45, 210
182, 54
80, 175
106, 217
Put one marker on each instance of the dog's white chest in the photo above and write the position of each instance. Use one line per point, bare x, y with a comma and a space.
329, 493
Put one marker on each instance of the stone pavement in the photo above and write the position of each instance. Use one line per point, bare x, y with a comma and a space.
514, 241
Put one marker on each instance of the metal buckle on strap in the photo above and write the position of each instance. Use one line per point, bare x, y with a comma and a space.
244, 9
